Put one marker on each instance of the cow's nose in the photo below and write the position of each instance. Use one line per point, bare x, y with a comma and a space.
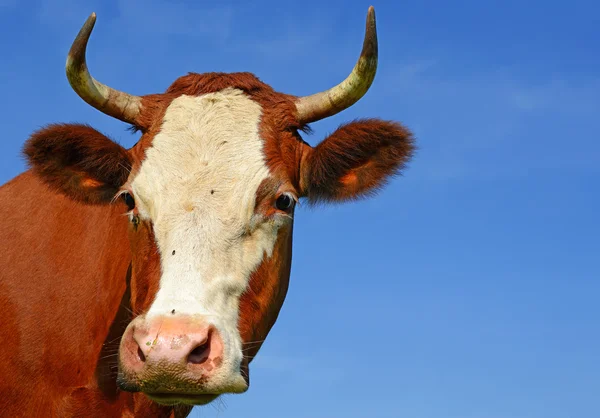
174, 342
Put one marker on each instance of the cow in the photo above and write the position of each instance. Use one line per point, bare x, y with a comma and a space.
143, 281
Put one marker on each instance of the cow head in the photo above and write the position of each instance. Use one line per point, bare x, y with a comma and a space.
210, 191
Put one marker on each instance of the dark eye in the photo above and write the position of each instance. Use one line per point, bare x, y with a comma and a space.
129, 201
284, 202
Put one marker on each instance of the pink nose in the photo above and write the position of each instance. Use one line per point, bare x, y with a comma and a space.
183, 343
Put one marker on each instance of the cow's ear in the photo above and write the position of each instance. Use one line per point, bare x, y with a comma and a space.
355, 161
78, 161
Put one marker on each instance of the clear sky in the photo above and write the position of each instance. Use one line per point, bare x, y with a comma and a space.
470, 286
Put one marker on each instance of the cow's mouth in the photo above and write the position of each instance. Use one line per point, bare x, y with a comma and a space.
185, 398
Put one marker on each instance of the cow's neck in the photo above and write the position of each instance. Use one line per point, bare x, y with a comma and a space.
71, 298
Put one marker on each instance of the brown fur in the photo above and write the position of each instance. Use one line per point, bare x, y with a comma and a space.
74, 275
63, 288
145, 275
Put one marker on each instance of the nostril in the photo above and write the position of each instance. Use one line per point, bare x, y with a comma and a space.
141, 355
202, 351
199, 354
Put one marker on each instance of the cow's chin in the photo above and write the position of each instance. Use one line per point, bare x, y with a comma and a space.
167, 391
174, 399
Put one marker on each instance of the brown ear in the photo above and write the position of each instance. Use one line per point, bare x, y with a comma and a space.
78, 161
356, 160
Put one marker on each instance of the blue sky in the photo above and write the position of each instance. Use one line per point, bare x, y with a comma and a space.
468, 287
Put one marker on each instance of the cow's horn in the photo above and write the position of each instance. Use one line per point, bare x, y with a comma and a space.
327, 103
113, 102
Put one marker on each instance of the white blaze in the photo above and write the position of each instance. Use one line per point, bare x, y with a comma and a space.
197, 185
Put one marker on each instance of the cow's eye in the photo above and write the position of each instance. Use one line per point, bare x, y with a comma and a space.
129, 201
285, 202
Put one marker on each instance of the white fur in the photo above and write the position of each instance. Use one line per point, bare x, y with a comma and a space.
207, 143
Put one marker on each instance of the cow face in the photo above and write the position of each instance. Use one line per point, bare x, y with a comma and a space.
210, 191
210, 214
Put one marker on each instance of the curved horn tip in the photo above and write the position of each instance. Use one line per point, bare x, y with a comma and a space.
334, 100
76, 55
370, 41
91, 18
371, 25
371, 17
88, 25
